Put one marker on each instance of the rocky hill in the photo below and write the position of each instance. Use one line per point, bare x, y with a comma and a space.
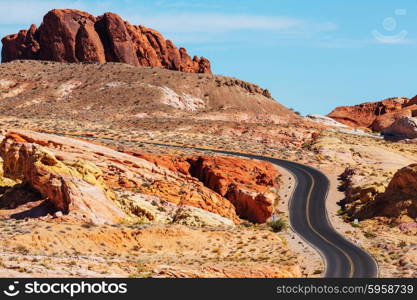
376, 116
125, 94
68, 35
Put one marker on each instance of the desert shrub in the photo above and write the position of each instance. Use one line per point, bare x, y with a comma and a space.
278, 225
370, 235
402, 244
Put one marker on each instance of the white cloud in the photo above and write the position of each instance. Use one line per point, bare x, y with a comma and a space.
397, 39
186, 25
32, 11
189, 4
215, 23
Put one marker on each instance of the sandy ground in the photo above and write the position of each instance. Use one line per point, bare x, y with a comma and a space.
35, 248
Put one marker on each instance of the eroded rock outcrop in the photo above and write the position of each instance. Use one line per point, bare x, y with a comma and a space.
75, 188
397, 200
79, 177
374, 115
68, 35
120, 171
245, 183
400, 198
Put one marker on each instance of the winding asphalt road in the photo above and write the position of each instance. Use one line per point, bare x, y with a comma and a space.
308, 218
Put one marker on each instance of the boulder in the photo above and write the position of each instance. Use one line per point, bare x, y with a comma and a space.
384, 121
400, 197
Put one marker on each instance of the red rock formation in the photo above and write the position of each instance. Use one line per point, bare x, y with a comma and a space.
69, 35
374, 115
77, 177
402, 128
119, 171
243, 182
22, 44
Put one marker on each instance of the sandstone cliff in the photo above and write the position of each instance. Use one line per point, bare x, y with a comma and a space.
68, 35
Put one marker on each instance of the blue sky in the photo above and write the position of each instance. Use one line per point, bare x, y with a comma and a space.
312, 55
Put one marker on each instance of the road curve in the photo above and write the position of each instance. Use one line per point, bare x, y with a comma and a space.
309, 219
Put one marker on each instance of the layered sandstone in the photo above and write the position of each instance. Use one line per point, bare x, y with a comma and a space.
119, 171
245, 183
75, 188
374, 115
68, 35
192, 190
